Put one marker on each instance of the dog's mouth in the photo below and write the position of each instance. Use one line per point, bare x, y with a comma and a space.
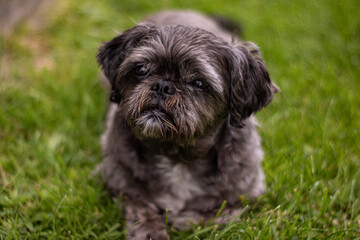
156, 109
156, 113
159, 113
155, 121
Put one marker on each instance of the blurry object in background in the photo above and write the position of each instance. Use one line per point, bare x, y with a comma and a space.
231, 26
15, 12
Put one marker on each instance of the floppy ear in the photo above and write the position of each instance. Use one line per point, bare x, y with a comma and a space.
250, 86
111, 54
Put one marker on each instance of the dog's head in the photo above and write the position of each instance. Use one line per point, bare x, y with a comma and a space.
175, 83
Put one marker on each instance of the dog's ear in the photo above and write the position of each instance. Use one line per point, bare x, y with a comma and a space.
111, 54
250, 86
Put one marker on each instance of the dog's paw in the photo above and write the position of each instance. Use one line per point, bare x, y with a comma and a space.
145, 233
159, 235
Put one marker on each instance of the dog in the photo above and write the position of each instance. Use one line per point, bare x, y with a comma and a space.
180, 136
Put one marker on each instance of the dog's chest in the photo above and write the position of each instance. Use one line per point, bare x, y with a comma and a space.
179, 185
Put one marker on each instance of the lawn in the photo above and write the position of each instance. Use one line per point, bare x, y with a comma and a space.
52, 110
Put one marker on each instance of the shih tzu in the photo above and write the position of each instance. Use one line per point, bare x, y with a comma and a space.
180, 137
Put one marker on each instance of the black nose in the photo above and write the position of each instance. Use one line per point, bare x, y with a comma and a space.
163, 88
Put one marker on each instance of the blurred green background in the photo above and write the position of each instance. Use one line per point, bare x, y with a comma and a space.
52, 111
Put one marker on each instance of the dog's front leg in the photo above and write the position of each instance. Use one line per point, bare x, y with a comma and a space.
144, 221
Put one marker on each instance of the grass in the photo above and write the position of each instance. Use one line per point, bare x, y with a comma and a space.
52, 112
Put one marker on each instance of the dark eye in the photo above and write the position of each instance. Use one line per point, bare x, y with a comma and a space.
141, 70
199, 84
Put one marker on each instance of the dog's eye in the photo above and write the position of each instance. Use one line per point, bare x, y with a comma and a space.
141, 70
199, 84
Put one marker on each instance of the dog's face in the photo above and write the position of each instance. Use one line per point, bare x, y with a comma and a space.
176, 83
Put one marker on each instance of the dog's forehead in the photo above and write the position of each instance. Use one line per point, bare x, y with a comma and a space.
181, 41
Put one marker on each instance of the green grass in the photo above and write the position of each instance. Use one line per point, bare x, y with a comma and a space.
52, 112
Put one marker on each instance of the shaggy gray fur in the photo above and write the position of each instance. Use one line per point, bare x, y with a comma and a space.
180, 136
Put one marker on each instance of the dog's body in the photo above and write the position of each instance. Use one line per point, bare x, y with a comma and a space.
180, 136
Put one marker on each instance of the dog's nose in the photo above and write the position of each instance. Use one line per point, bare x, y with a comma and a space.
163, 88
